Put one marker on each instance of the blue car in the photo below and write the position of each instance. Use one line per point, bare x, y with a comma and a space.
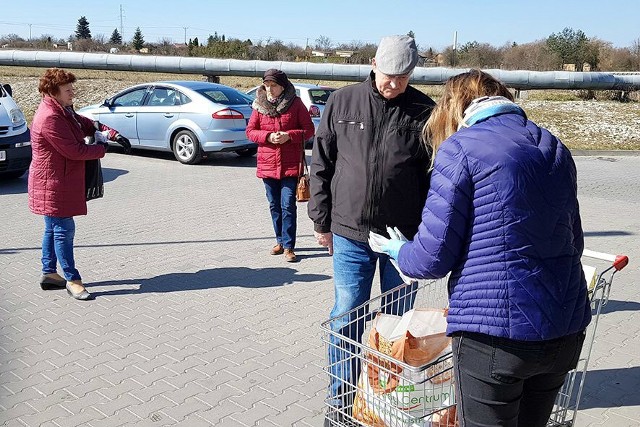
190, 118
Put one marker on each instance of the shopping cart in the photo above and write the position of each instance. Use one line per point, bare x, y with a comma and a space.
599, 269
382, 391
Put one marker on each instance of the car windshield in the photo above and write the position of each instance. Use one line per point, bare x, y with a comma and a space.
225, 96
320, 96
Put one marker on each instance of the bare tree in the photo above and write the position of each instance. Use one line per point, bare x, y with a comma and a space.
324, 43
533, 56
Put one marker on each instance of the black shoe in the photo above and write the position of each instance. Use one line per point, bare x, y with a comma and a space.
48, 283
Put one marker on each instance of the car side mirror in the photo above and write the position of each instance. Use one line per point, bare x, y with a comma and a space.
7, 88
107, 103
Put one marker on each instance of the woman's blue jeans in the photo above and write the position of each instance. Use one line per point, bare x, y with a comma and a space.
354, 266
281, 194
57, 246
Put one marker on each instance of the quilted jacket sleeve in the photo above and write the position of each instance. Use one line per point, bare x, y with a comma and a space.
438, 245
254, 131
304, 129
56, 130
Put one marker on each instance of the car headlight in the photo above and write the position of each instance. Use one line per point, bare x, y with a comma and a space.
17, 118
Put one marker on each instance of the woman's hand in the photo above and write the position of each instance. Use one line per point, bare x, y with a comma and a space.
278, 137
284, 137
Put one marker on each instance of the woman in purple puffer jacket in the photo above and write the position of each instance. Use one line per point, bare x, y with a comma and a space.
502, 217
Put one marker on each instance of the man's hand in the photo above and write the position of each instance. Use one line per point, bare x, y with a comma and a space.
124, 142
325, 239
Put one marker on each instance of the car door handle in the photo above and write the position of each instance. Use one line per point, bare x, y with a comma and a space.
129, 115
168, 115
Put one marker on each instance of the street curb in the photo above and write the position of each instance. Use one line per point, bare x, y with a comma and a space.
623, 153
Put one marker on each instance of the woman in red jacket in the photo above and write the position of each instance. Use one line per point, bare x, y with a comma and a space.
279, 124
57, 176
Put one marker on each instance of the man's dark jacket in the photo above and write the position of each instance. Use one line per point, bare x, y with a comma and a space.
369, 167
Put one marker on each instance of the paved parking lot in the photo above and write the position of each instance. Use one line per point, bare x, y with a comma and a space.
195, 324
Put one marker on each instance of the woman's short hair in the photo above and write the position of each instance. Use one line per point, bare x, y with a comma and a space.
459, 91
52, 80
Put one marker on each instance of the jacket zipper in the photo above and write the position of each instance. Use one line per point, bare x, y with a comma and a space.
345, 122
377, 150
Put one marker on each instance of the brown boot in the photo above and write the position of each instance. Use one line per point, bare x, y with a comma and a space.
277, 249
289, 255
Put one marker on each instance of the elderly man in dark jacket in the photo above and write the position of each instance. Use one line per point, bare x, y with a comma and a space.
369, 170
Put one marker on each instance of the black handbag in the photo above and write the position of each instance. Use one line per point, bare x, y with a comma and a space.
93, 180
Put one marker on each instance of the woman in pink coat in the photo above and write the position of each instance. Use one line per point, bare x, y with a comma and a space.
57, 176
279, 124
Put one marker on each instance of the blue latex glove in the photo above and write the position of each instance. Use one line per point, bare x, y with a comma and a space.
392, 247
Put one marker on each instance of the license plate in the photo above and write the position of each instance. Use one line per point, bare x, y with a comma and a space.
3, 155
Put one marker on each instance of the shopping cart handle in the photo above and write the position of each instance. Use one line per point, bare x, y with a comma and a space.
620, 262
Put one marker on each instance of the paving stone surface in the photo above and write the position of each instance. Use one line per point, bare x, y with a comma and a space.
195, 324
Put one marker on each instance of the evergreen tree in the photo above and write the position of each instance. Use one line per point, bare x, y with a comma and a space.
116, 38
138, 40
82, 29
570, 46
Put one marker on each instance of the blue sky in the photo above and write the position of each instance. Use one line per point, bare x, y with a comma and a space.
300, 22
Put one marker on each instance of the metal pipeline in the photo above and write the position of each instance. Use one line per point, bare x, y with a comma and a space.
517, 79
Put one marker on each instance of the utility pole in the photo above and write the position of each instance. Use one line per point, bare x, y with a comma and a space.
455, 43
121, 26
185, 35
30, 31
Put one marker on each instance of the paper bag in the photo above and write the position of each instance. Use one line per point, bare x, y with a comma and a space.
386, 395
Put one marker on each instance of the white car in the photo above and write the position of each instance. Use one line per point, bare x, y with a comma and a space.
314, 98
15, 137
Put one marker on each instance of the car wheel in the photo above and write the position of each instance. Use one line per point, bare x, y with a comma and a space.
12, 174
186, 148
247, 152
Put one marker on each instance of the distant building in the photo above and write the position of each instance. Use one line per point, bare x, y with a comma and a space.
344, 53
